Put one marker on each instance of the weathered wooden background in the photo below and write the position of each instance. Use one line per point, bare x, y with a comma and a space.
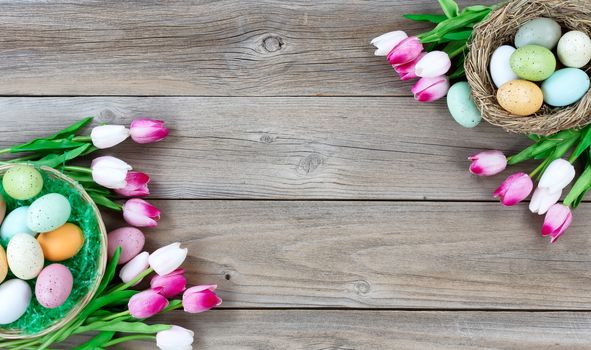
333, 211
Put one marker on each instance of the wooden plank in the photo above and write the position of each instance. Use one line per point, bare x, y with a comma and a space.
379, 254
206, 48
348, 148
330, 329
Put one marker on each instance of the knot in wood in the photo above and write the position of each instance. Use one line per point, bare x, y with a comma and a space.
273, 43
310, 163
362, 287
106, 116
267, 139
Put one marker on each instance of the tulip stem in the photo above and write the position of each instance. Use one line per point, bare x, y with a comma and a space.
138, 278
82, 139
129, 338
539, 168
77, 169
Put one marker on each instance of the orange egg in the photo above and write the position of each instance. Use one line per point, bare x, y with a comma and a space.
520, 97
3, 264
61, 243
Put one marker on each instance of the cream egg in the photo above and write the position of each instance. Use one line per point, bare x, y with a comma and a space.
25, 257
574, 49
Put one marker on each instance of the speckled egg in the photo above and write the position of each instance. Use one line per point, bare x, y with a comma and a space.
25, 257
533, 62
15, 222
48, 212
15, 297
3, 264
22, 182
2, 209
61, 243
130, 239
565, 87
461, 106
574, 49
53, 286
520, 97
540, 31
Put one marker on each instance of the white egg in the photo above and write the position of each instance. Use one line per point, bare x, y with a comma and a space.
25, 256
574, 49
500, 67
15, 297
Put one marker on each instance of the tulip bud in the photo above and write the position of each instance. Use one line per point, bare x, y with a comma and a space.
406, 51
557, 221
488, 163
407, 71
137, 185
147, 303
200, 298
386, 42
168, 258
138, 212
557, 176
430, 89
172, 284
146, 130
106, 136
514, 189
134, 267
110, 172
175, 338
542, 200
433, 64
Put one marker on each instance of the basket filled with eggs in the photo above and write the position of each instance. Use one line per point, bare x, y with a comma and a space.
528, 66
53, 250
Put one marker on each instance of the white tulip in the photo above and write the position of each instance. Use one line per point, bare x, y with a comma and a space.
167, 259
557, 176
110, 172
134, 267
106, 136
175, 338
542, 200
433, 64
386, 42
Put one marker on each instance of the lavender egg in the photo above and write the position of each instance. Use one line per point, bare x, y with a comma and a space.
130, 239
54, 286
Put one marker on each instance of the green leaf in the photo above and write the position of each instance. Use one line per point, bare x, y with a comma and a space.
46, 145
110, 271
580, 187
584, 144
97, 341
460, 36
70, 130
104, 201
475, 8
133, 327
425, 18
451, 25
450, 8
52, 160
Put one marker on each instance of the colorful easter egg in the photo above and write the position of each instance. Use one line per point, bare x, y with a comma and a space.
15, 222
130, 239
15, 297
533, 62
61, 243
53, 286
540, 31
22, 182
574, 49
3, 264
461, 106
500, 66
25, 257
48, 212
520, 97
565, 87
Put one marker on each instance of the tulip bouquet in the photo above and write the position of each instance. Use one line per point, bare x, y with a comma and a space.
117, 313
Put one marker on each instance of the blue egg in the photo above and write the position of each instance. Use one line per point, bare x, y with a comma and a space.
565, 87
15, 222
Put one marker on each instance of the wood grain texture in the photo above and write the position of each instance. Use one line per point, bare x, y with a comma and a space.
278, 148
400, 330
205, 48
309, 254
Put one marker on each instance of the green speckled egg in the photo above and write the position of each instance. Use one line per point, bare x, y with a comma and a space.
533, 63
48, 212
22, 182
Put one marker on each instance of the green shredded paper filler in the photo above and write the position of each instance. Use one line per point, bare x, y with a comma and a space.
84, 265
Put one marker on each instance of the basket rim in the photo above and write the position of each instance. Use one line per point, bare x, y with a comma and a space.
75, 311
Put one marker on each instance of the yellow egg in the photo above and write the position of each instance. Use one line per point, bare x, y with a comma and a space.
520, 97
3, 265
2, 209
61, 243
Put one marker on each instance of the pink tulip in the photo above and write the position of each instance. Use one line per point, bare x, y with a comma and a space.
406, 51
407, 71
557, 221
200, 298
386, 42
147, 303
433, 64
137, 185
146, 130
515, 189
488, 163
172, 284
430, 89
138, 212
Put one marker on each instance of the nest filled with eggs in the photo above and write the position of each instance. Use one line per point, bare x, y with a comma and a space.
500, 29
32, 296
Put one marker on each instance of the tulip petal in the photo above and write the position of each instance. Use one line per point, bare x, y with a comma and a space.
430, 89
196, 300
433, 64
557, 221
387, 41
488, 163
406, 51
145, 130
106, 136
146, 304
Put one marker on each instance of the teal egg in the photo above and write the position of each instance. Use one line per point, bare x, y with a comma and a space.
22, 182
565, 87
461, 106
15, 222
48, 212
533, 63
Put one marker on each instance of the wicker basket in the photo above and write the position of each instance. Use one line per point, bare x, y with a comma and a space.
500, 29
102, 257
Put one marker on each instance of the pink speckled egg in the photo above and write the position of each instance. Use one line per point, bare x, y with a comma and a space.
130, 239
54, 285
